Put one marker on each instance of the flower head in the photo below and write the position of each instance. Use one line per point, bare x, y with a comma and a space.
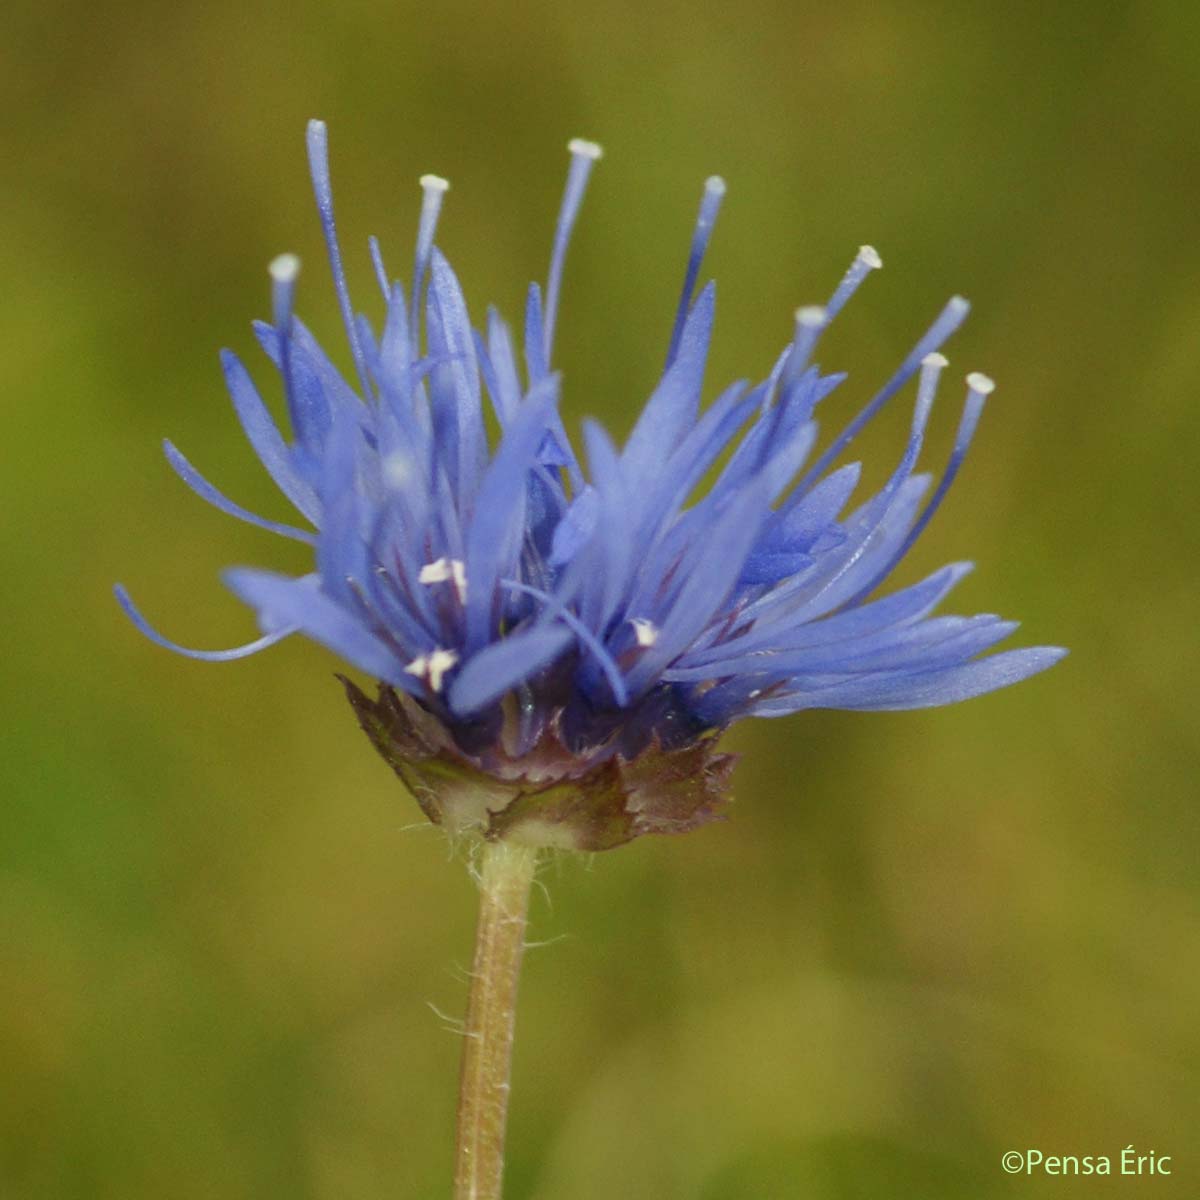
558, 637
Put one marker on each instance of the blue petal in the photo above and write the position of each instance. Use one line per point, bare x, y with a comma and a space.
576, 527
452, 336
842, 572
217, 499
318, 161
396, 354
407, 626
777, 425
587, 639
780, 467
145, 628
931, 644
861, 557
671, 410
308, 405
906, 690
339, 393
606, 571
503, 665
507, 394
536, 367
556, 451
769, 567
806, 516
444, 402
497, 527
685, 466
709, 572
381, 272
935, 643
299, 604
908, 605
944, 325
341, 547
266, 439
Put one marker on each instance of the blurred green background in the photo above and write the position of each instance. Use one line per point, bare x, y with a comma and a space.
923, 939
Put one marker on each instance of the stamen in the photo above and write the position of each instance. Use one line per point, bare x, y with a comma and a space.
440, 661
644, 630
592, 150
932, 366
584, 155
318, 164
866, 261
284, 270
979, 387
948, 320
435, 189
710, 205
810, 321
433, 667
443, 570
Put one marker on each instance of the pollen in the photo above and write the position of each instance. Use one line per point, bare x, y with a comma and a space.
585, 148
443, 570
284, 268
644, 630
432, 667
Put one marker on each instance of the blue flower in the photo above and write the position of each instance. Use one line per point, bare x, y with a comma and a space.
534, 614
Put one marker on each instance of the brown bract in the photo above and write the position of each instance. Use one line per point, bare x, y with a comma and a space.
549, 797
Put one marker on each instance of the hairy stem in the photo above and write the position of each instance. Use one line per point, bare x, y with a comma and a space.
505, 876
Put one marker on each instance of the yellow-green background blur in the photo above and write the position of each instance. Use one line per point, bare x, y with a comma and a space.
923, 939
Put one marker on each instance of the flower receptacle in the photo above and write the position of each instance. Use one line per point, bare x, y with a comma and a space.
588, 802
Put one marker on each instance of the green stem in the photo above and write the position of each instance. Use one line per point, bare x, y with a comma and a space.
506, 874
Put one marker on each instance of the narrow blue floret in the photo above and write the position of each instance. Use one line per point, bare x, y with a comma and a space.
598, 593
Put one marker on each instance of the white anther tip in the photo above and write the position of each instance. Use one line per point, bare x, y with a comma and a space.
645, 632
284, 268
869, 257
584, 147
959, 304
434, 183
714, 185
934, 359
981, 384
432, 667
812, 316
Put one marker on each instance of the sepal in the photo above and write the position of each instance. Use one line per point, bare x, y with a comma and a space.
548, 797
